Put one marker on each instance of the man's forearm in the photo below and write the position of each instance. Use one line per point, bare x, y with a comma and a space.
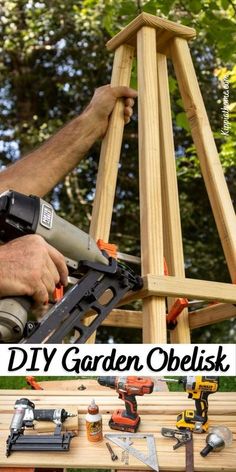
39, 171
42, 169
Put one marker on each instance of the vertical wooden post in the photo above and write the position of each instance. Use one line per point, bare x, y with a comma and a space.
110, 154
154, 316
110, 150
173, 248
206, 149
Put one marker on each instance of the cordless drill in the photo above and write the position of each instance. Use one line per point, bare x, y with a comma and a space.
198, 388
127, 388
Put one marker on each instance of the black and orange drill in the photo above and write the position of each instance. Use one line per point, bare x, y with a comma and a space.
127, 388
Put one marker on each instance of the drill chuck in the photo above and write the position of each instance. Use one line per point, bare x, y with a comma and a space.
109, 381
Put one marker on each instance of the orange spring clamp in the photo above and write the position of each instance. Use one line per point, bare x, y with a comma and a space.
33, 383
177, 307
111, 249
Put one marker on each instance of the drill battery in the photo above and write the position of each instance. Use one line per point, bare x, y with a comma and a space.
121, 422
190, 420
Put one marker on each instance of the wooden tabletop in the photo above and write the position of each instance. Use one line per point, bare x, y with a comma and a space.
156, 410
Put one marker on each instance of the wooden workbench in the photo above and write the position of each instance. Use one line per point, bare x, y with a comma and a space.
156, 410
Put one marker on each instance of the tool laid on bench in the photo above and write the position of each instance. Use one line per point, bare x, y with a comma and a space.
127, 388
125, 441
95, 272
114, 457
184, 437
198, 388
24, 416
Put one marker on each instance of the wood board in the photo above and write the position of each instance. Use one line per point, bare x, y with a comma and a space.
81, 384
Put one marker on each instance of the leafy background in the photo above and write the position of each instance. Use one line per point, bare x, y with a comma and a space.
53, 56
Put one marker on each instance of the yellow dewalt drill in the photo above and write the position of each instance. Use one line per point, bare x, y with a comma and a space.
198, 388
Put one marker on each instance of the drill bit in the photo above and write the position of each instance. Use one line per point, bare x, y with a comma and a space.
114, 457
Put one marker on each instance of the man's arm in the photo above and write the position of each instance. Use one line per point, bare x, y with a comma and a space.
42, 169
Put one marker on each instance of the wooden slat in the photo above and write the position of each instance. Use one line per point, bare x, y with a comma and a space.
110, 155
173, 246
190, 288
212, 171
203, 317
211, 314
7, 396
154, 330
124, 319
128, 34
76, 385
110, 150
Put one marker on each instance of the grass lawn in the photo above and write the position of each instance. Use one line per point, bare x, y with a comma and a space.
20, 382
227, 384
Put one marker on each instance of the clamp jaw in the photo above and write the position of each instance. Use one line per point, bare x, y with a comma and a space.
182, 437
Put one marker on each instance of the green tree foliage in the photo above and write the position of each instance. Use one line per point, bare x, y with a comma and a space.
53, 56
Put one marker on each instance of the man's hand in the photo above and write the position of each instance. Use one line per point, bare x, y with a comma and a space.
63, 151
103, 102
30, 266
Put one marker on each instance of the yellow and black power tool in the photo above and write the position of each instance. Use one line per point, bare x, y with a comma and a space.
198, 388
